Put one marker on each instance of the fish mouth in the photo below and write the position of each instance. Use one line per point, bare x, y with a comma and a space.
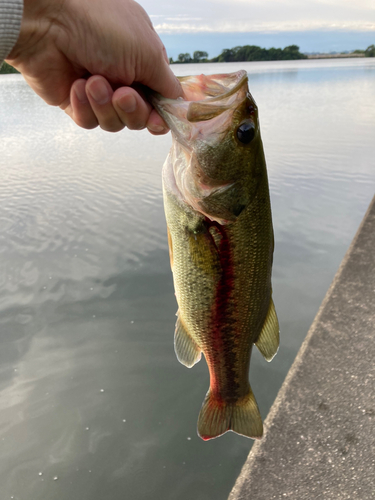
208, 88
212, 88
209, 102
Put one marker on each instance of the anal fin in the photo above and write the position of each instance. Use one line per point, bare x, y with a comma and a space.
268, 340
187, 351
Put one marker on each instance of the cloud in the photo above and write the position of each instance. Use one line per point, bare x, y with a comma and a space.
184, 19
265, 27
225, 16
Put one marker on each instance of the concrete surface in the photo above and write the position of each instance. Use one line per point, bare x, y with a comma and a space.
320, 433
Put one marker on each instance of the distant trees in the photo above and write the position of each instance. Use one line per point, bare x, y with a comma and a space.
370, 51
200, 56
7, 68
184, 58
255, 53
243, 53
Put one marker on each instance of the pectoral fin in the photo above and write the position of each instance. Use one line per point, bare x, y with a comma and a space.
170, 246
203, 251
187, 351
268, 340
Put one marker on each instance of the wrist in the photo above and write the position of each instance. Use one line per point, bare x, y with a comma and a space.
10, 21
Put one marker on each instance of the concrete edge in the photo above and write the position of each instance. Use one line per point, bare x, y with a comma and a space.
280, 398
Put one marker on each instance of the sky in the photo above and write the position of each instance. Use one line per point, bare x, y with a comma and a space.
212, 25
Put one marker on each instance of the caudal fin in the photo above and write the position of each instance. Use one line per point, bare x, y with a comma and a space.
217, 417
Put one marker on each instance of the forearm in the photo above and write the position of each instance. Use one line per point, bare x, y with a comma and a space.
10, 23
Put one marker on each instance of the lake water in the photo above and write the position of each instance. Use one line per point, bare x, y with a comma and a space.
94, 404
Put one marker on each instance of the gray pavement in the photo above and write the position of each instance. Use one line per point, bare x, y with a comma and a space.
320, 433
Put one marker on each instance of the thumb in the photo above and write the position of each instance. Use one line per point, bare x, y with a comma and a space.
164, 81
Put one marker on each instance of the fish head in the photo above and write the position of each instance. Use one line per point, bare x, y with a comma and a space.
216, 158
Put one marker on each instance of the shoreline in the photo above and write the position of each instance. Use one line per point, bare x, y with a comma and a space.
334, 56
309, 57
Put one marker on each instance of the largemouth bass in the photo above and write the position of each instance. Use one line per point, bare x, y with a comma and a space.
220, 234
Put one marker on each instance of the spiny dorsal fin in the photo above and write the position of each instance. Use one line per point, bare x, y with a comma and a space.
268, 340
187, 351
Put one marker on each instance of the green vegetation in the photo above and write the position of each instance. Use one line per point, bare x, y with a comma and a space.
7, 68
198, 56
245, 53
255, 53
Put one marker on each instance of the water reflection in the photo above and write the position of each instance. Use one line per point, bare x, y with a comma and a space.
91, 391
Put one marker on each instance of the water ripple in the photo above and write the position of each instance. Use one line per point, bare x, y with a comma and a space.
86, 295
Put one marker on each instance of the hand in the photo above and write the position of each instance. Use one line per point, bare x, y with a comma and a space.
63, 42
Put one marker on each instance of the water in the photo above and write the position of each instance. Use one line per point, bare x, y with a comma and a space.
93, 402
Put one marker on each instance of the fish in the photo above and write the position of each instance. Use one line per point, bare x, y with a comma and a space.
221, 243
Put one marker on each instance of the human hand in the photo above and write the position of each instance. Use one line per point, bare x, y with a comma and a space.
63, 42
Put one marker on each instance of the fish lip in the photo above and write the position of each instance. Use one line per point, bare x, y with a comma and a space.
241, 79
156, 98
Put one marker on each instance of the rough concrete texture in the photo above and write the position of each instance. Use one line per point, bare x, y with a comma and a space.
320, 433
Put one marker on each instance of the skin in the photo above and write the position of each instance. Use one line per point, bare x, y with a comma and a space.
91, 57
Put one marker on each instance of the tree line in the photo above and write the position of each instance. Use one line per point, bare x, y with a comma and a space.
237, 54
253, 53
244, 53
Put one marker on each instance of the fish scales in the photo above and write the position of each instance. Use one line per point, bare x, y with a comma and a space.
220, 235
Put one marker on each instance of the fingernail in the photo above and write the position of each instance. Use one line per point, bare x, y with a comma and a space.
81, 94
99, 92
156, 128
127, 103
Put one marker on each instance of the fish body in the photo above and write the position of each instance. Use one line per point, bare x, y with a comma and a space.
220, 235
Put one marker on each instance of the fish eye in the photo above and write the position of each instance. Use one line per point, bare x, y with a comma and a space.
246, 132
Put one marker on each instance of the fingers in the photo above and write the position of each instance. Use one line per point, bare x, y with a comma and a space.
131, 108
99, 94
93, 103
156, 125
136, 113
80, 108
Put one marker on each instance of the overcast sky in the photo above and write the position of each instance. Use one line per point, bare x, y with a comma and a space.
211, 25
194, 16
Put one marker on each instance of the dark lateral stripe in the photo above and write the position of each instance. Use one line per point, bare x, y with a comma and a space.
222, 332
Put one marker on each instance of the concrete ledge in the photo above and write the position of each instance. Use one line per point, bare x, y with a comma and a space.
320, 433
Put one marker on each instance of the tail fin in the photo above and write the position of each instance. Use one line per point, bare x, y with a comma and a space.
217, 417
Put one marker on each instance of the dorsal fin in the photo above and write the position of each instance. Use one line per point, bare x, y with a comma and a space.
268, 340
